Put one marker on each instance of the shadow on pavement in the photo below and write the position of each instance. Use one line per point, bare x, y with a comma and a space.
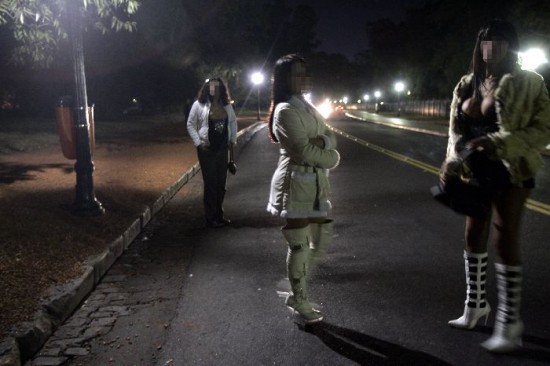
11, 173
365, 349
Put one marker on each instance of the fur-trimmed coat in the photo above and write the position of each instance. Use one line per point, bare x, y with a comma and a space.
523, 117
300, 187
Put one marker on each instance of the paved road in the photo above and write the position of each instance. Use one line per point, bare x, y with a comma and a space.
184, 295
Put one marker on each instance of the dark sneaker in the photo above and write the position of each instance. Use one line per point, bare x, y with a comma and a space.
214, 224
224, 221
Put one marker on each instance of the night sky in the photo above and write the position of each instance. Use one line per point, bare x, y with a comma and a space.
341, 27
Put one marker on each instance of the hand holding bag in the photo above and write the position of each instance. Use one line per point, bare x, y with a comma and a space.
231, 166
466, 197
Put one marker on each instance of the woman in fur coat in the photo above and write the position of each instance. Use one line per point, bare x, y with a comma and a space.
502, 114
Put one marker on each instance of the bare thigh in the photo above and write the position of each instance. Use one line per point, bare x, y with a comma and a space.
508, 211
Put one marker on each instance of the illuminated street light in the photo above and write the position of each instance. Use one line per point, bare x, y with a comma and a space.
532, 59
257, 79
399, 87
366, 97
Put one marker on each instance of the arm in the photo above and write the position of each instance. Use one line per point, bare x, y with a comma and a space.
452, 164
293, 137
232, 124
510, 144
193, 124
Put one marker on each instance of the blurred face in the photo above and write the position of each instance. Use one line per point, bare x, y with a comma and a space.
494, 50
214, 88
300, 78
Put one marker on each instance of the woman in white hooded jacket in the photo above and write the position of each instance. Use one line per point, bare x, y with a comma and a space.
212, 125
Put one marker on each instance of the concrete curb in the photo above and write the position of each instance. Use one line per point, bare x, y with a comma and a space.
64, 300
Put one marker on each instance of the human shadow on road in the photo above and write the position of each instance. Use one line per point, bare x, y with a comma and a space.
367, 350
11, 173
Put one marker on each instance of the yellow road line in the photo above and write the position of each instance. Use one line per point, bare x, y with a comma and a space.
536, 206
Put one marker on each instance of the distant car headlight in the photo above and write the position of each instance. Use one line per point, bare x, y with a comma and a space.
325, 109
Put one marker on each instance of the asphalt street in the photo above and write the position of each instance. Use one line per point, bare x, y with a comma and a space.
392, 279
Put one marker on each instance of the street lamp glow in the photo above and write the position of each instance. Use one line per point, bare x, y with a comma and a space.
532, 59
399, 86
366, 97
257, 78
377, 94
345, 100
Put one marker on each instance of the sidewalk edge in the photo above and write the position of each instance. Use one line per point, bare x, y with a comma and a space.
18, 349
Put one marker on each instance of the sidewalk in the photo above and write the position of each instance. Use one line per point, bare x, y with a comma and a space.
44, 247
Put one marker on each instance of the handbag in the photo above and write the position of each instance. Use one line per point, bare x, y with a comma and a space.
466, 197
231, 166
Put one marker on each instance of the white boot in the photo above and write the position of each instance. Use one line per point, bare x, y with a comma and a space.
321, 237
297, 266
476, 306
508, 325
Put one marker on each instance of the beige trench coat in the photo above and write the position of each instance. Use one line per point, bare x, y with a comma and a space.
300, 186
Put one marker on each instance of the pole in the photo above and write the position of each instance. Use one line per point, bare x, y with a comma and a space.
85, 203
258, 88
398, 104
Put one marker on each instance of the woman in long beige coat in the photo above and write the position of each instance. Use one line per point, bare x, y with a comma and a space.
300, 187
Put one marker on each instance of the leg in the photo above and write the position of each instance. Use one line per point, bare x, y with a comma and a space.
475, 264
508, 328
321, 237
508, 212
476, 234
221, 181
476, 305
208, 169
298, 235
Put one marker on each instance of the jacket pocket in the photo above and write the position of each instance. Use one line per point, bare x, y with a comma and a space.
303, 187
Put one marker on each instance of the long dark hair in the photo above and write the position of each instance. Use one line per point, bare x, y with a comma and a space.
204, 92
494, 28
282, 85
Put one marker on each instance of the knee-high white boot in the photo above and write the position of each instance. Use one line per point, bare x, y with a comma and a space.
476, 305
321, 237
508, 325
297, 265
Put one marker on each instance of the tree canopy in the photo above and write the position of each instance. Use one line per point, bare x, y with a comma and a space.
433, 45
39, 26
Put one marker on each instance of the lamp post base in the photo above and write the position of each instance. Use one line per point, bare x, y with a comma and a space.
88, 209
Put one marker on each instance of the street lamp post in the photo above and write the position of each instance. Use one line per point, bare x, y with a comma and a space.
399, 87
85, 203
257, 79
366, 98
377, 95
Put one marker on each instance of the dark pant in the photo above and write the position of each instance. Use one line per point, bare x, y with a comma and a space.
214, 175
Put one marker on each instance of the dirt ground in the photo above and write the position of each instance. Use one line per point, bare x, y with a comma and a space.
41, 243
